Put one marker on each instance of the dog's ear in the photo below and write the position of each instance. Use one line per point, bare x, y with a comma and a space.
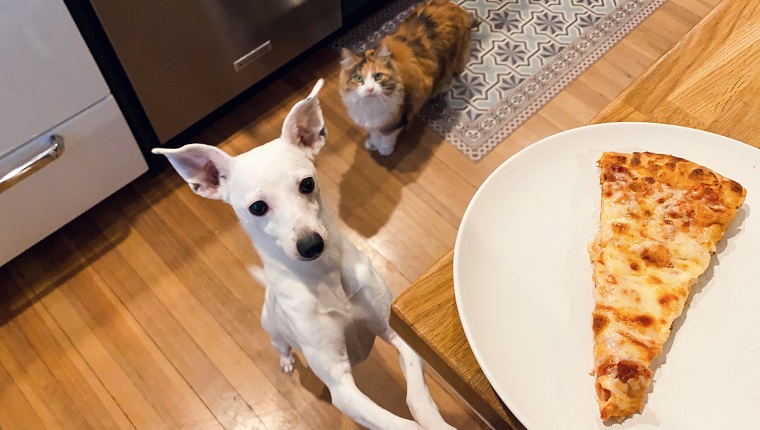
205, 168
304, 125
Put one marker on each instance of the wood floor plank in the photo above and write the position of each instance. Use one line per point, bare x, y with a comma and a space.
169, 323
85, 389
127, 342
139, 410
16, 413
39, 385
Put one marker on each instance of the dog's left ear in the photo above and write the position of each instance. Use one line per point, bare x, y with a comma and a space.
304, 125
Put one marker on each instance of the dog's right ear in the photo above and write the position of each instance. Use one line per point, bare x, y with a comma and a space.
205, 168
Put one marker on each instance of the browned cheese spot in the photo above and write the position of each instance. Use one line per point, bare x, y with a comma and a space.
667, 299
635, 266
600, 322
649, 180
624, 370
619, 227
656, 255
736, 187
617, 168
696, 173
644, 320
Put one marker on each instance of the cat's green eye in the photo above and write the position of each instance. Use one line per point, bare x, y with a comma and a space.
358, 78
378, 76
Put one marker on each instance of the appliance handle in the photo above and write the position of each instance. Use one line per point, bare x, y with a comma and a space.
17, 174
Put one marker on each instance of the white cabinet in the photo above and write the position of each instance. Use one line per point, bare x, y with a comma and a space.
51, 86
46, 71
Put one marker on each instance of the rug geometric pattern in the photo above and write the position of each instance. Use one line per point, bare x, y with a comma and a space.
523, 53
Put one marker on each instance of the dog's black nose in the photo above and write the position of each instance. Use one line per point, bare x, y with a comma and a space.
310, 246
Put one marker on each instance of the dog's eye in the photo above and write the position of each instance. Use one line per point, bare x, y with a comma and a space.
258, 208
306, 186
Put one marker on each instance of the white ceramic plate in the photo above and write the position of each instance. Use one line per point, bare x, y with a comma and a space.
523, 287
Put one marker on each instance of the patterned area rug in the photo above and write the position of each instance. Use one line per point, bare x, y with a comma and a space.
524, 52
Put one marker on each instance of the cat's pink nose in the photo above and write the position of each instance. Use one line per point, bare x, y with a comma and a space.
369, 90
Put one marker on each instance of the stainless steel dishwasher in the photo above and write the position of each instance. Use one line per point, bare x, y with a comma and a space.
186, 58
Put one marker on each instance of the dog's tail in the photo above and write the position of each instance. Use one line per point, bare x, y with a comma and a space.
258, 274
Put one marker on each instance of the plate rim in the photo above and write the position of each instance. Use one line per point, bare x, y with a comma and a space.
456, 258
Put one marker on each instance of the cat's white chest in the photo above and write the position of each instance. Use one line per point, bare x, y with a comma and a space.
371, 114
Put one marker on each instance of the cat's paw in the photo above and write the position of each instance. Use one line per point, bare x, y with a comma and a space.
287, 363
370, 144
386, 149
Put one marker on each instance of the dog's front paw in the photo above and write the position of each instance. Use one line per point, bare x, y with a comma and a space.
286, 363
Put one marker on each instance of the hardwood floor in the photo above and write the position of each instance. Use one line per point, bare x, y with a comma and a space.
141, 313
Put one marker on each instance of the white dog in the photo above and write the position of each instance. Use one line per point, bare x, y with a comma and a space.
323, 295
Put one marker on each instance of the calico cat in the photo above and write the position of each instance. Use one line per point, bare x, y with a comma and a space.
384, 88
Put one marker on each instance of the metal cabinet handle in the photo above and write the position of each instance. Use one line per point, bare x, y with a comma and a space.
33, 164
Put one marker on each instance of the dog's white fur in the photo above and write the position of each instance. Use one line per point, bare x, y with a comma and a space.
330, 308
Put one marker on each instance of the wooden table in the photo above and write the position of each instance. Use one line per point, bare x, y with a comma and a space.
710, 80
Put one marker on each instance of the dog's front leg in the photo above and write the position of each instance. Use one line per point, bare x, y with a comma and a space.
334, 369
418, 397
278, 341
373, 295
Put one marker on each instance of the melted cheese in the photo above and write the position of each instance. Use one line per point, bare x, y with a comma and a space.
655, 238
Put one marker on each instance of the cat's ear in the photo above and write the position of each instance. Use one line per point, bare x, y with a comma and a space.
304, 125
348, 58
205, 168
383, 52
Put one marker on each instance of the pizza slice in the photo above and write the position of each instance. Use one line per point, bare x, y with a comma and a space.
661, 219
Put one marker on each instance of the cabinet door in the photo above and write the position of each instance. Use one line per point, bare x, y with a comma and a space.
47, 74
186, 58
98, 157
